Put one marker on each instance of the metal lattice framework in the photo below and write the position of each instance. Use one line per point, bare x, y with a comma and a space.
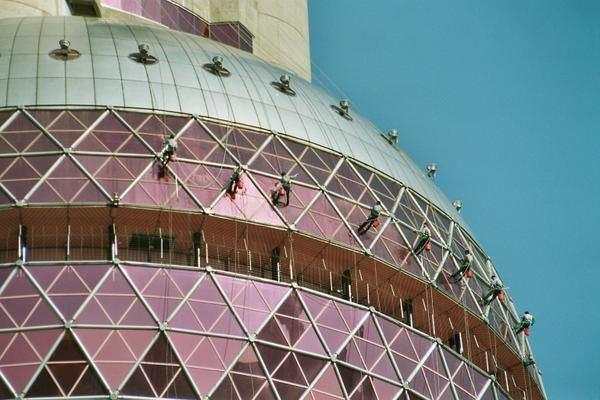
84, 157
132, 330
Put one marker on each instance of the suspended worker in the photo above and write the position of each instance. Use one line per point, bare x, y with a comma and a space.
372, 220
424, 238
495, 292
171, 149
283, 188
524, 325
465, 268
235, 183
168, 154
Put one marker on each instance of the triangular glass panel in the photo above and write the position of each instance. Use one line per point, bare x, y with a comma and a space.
205, 310
290, 371
409, 212
134, 119
154, 131
4, 198
431, 259
226, 390
350, 377
384, 390
328, 383
67, 180
309, 341
5, 147
115, 351
5, 392
271, 332
160, 290
21, 301
116, 300
44, 386
45, 117
347, 183
89, 193
275, 159
67, 291
249, 385
248, 205
386, 189
139, 385
300, 197
68, 366
22, 352
351, 355
288, 391
272, 357
155, 191
66, 128
319, 163
24, 136
243, 144
108, 136
114, 174
391, 246
323, 221
196, 144
5, 115
364, 391
203, 181
88, 384
315, 304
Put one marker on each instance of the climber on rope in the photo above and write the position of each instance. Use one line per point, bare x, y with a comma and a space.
525, 324
235, 183
283, 188
168, 154
372, 220
529, 361
465, 268
424, 239
495, 292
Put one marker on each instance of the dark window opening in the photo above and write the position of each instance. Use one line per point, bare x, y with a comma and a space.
84, 8
141, 241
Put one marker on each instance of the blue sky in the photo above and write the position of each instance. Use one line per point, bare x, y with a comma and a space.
505, 97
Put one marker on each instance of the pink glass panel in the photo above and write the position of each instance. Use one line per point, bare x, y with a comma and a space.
322, 220
205, 182
250, 204
70, 125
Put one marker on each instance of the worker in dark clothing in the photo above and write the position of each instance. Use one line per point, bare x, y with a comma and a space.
465, 268
167, 155
424, 238
235, 183
170, 150
375, 212
526, 322
495, 291
529, 361
283, 188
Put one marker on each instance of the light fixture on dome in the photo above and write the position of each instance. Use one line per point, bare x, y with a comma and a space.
431, 170
392, 136
284, 85
343, 109
457, 204
216, 67
143, 55
64, 52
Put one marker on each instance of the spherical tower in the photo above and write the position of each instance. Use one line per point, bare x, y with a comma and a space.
183, 219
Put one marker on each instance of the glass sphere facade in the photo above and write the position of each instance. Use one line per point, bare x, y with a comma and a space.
127, 276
